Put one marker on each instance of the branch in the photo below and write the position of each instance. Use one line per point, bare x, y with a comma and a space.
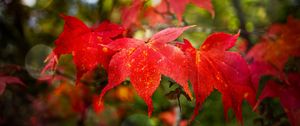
244, 33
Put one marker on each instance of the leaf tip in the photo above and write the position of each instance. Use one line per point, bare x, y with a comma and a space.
256, 105
62, 15
239, 32
213, 15
98, 105
52, 62
190, 26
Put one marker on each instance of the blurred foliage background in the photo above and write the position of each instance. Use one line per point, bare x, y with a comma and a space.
28, 29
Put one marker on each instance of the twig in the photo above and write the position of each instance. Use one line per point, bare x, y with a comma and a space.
244, 33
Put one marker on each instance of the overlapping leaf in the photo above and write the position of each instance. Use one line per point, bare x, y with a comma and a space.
85, 44
213, 67
178, 6
144, 63
157, 14
131, 14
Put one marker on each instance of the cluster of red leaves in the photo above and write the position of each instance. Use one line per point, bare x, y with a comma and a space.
208, 68
159, 13
286, 88
269, 58
211, 67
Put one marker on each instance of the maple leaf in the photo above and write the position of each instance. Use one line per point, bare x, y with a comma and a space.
213, 67
278, 44
85, 44
4, 80
286, 89
178, 6
131, 14
158, 14
154, 16
144, 63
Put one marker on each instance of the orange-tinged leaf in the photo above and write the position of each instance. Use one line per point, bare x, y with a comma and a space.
278, 44
269, 58
75, 96
213, 67
144, 63
156, 15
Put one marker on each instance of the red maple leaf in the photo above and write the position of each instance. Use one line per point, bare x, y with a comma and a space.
178, 6
131, 14
4, 80
287, 89
157, 15
213, 67
144, 63
278, 44
85, 44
